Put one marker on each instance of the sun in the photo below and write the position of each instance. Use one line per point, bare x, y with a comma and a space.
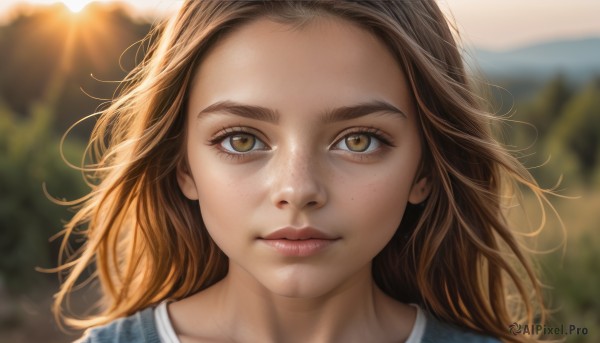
76, 6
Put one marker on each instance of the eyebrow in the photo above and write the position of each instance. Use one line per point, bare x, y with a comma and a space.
330, 116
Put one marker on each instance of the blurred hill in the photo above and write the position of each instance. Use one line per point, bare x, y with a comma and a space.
50, 54
580, 59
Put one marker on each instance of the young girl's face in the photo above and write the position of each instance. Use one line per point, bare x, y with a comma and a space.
297, 128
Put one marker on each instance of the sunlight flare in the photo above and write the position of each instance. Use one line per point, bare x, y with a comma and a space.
76, 6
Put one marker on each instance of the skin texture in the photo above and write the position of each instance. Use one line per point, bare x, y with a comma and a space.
301, 171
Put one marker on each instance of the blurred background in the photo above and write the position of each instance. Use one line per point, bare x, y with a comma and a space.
538, 62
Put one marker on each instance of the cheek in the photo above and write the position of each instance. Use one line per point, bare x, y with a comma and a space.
374, 205
219, 207
381, 202
227, 198
376, 195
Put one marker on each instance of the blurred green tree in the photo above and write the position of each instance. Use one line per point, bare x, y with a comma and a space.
528, 131
30, 158
575, 136
548, 105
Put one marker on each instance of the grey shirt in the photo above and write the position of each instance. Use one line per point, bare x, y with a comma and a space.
141, 328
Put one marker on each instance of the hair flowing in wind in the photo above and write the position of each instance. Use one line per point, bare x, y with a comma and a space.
455, 254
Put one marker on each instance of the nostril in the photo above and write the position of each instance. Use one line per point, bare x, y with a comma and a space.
285, 203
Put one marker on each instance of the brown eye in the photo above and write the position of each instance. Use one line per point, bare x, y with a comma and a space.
358, 142
242, 142
362, 142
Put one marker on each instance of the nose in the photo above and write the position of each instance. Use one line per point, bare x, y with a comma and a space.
297, 181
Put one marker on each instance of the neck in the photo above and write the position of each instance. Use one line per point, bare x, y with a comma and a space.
357, 311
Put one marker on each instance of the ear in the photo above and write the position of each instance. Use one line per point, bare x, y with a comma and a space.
186, 182
419, 191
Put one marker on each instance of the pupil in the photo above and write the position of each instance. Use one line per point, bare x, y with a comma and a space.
358, 143
242, 143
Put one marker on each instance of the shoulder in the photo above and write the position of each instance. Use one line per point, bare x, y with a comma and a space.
437, 331
137, 328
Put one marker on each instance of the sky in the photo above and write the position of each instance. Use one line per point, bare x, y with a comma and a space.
507, 24
490, 24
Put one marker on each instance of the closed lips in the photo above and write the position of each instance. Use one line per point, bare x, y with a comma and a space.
306, 233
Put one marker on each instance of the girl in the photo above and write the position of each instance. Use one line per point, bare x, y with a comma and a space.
301, 171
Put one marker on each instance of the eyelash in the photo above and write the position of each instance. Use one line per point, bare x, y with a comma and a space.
231, 131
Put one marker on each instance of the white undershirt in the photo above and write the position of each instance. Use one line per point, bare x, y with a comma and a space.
166, 333
416, 335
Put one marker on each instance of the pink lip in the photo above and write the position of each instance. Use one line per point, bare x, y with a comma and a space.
298, 242
298, 234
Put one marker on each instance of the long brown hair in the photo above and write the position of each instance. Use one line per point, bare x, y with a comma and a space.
454, 254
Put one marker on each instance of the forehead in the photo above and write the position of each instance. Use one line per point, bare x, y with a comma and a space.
327, 62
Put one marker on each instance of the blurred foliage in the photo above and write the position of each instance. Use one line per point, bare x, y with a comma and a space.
560, 124
576, 134
548, 105
575, 286
29, 157
52, 70
558, 130
573, 278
